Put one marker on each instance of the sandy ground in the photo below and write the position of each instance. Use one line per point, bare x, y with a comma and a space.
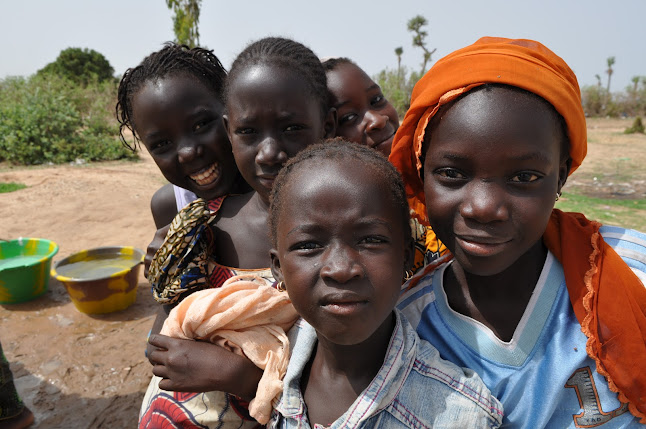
80, 371
74, 370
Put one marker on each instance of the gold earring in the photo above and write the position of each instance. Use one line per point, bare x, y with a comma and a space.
558, 195
408, 274
281, 286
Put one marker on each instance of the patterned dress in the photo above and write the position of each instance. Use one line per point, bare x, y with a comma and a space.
183, 265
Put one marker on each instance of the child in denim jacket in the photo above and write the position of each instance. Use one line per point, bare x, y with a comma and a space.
342, 242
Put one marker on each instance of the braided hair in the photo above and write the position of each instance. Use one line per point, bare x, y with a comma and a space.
334, 62
338, 149
172, 59
287, 54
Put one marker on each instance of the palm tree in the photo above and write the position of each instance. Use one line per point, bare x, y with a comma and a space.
598, 80
611, 62
399, 51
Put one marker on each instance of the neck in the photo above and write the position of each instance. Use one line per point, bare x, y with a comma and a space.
261, 203
498, 301
359, 363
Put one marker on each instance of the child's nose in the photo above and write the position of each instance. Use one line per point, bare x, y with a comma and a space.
270, 152
188, 151
341, 265
374, 120
486, 202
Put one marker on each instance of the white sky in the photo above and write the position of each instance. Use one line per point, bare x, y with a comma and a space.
584, 33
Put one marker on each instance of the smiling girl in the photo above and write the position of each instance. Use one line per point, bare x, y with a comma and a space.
276, 105
548, 307
339, 224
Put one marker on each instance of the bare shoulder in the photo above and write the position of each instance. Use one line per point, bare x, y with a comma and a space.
163, 205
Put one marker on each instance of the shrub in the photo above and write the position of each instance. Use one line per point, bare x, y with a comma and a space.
637, 127
81, 66
49, 119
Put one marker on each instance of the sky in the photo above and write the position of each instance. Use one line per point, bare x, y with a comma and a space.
583, 32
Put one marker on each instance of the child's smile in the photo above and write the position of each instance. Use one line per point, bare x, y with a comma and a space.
491, 174
340, 241
179, 121
363, 113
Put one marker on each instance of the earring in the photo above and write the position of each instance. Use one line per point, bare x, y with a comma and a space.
281, 286
408, 274
558, 195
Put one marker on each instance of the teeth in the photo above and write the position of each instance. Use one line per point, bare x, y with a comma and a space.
206, 177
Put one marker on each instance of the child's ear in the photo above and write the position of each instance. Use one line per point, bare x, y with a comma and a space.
275, 265
330, 124
564, 171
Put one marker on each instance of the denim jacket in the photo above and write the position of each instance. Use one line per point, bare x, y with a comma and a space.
414, 388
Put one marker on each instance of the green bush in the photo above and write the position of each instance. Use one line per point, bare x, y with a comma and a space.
637, 127
81, 66
47, 119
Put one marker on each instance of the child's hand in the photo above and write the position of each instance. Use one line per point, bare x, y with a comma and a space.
154, 245
196, 366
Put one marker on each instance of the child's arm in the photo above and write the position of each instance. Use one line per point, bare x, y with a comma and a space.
163, 205
196, 366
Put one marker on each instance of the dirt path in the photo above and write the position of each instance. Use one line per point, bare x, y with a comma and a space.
75, 370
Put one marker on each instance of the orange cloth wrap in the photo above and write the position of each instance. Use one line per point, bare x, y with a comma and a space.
608, 299
522, 63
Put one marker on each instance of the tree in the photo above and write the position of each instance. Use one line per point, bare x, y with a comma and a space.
185, 21
80, 66
399, 51
611, 62
415, 25
598, 80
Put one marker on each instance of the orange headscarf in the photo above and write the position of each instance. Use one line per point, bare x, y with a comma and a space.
608, 299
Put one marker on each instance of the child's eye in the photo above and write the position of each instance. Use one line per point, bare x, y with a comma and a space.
305, 245
450, 173
373, 239
245, 131
349, 117
159, 145
294, 128
525, 177
200, 125
377, 99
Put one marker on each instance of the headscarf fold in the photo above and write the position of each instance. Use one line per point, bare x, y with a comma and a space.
609, 300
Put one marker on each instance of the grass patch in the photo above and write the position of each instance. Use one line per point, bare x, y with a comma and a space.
625, 213
11, 186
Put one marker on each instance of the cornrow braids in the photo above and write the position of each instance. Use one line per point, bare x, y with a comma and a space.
171, 59
337, 149
288, 54
332, 63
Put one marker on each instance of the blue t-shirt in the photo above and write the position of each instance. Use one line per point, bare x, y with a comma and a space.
543, 376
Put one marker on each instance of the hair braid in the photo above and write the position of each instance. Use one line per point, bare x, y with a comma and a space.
288, 54
171, 59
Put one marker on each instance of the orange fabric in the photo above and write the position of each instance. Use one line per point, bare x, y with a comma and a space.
608, 299
247, 317
522, 63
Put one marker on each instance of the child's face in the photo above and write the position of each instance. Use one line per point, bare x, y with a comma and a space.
341, 249
364, 115
491, 174
179, 121
271, 116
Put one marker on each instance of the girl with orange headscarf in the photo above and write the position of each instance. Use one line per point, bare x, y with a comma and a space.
548, 307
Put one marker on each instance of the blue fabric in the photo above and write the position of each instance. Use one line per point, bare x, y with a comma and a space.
543, 376
413, 389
